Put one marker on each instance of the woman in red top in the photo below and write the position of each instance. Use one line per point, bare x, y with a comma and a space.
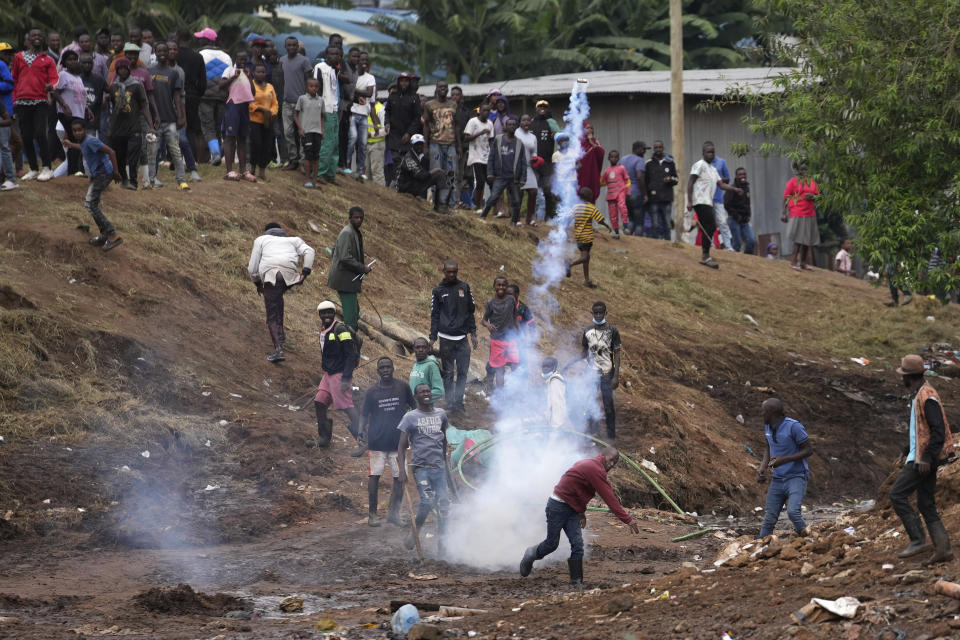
798, 198
588, 173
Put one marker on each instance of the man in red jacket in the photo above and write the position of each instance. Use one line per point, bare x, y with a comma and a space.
34, 77
567, 507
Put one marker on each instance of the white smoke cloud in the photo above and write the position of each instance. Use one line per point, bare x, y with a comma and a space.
490, 527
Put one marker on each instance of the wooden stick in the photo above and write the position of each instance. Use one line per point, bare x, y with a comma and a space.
413, 519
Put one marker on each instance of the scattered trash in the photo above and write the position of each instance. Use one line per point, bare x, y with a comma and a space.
72, 280
235, 395
293, 604
653, 450
887, 567
765, 389
325, 623
747, 448
211, 487
425, 576
849, 531
81, 510
313, 226
739, 418
223, 423
47, 501
471, 634
663, 596
405, 617
861, 361
207, 443
819, 610
646, 464
726, 636
1, 438
9, 514
124, 468
449, 612
501, 267
951, 589
206, 394
758, 509
145, 454
751, 319
931, 319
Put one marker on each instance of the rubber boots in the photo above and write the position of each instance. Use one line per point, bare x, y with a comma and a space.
324, 432
396, 499
918, 539
941, 544
576, 571
373, 487
526, 564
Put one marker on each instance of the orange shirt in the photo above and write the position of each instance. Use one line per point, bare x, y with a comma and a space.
264, 97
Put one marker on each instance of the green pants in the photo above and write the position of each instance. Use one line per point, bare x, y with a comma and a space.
329, 149
350, 304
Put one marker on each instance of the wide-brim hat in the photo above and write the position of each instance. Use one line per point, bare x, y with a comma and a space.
911, 365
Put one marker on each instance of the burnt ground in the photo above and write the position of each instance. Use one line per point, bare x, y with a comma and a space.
158, 347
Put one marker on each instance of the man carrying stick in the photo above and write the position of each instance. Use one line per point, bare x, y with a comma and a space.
425, 430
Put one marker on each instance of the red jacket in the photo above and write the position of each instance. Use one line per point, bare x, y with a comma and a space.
581, 481
30, 81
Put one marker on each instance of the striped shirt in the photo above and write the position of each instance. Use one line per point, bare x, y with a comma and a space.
584, 215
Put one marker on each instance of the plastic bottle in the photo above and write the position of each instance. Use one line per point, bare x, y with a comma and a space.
405, 617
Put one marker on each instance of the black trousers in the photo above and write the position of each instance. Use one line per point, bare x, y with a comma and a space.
35, 128
261, 145
74, 157
609, 411
708, 224
273, 301
925, 486
128, 155
455, 357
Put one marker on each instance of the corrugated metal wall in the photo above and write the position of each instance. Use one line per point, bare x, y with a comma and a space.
619, 120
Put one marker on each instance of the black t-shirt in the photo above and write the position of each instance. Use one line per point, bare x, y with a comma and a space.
166, 80
386, 407
94, 85
128, 99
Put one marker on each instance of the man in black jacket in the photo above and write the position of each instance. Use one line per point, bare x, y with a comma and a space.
415, 176
544, 127
451, 319
738, 211
402, 113
660, 177
339, 359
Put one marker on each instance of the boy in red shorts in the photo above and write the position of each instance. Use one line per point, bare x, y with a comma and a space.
336, 387
499, 319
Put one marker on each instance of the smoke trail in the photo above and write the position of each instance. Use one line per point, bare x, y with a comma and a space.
493, 525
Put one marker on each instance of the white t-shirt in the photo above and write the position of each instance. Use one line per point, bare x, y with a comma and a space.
365, 81
529, 141
706, 183
329, 85
479, 150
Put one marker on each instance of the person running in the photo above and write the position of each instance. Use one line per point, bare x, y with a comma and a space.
788, 448
931, 442
273, 269
384, 406
168, 94
452, 318
567, 511
601, 349
347, 266
424, 429
340, 354
584, 215
102, 162
500, 321
34, 76
263, 110
506, 170
703, 182
478, 133
426, 370
617, 182
326, 72
308, 116
129, 104
236, 117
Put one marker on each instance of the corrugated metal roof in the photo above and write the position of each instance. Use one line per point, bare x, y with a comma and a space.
705, 82
348, 23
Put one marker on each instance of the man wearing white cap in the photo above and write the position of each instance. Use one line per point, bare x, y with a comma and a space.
340, 355
930, 444
214, 99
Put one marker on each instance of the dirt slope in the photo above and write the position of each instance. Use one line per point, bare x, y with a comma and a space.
148, 347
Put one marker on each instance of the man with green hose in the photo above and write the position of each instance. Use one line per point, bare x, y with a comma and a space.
567, 511
347, 268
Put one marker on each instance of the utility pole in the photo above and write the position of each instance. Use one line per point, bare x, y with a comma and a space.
676, 114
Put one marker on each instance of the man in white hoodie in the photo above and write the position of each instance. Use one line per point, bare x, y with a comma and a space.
273, 269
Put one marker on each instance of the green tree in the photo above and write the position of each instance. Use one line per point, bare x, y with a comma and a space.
874, 107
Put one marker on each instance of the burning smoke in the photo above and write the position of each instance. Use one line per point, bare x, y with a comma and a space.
490, 527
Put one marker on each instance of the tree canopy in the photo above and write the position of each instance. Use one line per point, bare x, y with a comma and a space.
874, 108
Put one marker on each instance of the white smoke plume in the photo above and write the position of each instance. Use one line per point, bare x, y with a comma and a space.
490, 527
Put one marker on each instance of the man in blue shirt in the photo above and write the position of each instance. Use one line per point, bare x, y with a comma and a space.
635, 166
102, 162
719, 208
788, 448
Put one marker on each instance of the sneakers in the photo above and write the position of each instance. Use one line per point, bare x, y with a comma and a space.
183, 186
276, 356
906, 300
347, 171
132, 186
98, 241
30, 175
710, 262
215, 159
526, 564
9, 185
45, 175
156, 184
195, 177
359, 451
112, 244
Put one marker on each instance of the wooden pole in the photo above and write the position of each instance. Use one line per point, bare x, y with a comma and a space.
413, 517
677, 140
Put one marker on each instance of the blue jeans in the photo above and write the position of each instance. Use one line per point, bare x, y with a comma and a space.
560, 517
741, 233
512, 187
443, 156
6, 156
357, 139
659, 213
432, 486
790, 492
